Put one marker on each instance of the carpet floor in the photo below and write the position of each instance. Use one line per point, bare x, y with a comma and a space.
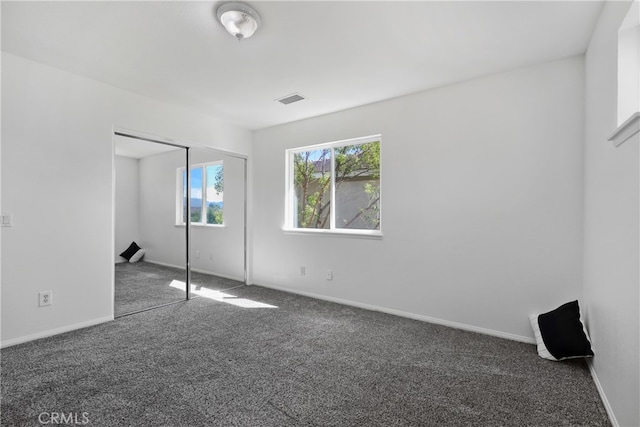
236, 361
143, 285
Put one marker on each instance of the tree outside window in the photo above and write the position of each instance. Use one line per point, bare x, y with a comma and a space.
336, 186
207, 194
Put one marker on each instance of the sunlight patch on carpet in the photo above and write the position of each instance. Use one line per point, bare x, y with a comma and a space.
221, 296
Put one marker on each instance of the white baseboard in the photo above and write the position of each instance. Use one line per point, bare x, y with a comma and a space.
449, 323
164, 264
52, 332
603, 396
195, 270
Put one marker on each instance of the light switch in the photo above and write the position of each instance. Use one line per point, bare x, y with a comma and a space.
6, 220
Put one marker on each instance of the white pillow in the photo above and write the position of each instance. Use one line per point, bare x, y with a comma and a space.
136, 257
542, 349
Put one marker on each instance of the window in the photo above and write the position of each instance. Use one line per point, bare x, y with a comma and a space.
629, 64
335, 187
207, 191
628, 77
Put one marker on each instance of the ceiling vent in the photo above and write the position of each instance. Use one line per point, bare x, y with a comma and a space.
290, 99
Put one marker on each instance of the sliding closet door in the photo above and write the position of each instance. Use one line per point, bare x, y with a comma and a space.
218, 260
149, 210
186, 209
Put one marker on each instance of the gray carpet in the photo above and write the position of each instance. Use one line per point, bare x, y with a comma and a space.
143, 285
304, 363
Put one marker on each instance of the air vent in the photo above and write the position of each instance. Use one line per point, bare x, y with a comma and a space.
290, 99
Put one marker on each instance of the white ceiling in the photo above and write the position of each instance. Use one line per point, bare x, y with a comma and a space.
339, 54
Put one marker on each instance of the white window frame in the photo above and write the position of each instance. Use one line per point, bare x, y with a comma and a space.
290, 191
180, 195
628, 77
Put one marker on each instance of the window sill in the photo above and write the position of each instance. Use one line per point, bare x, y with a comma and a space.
626, 130
358, 234
202, 225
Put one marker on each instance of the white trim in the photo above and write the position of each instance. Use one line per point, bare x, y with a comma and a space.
178, 142
198, 225
214, 163
603, 396
112, 251
427, 319
165, 264
211, 273
339, 143
56, 331
626, 130
340, 232
180, 186
332, 191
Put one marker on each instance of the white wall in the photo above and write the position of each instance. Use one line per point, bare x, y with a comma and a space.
127, 228
163, 242
221, 249
611, 247
481, 203
57, 180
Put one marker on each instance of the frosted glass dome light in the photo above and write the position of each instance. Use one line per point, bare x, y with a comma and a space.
240, 20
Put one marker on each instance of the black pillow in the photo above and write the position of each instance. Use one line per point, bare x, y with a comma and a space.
131, 250
562, 332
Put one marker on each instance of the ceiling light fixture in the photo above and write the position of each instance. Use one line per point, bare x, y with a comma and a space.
240, 20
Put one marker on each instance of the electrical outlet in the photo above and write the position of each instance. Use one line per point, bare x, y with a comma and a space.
329, 275
303, 270
6, 220
45, 298
197, 254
